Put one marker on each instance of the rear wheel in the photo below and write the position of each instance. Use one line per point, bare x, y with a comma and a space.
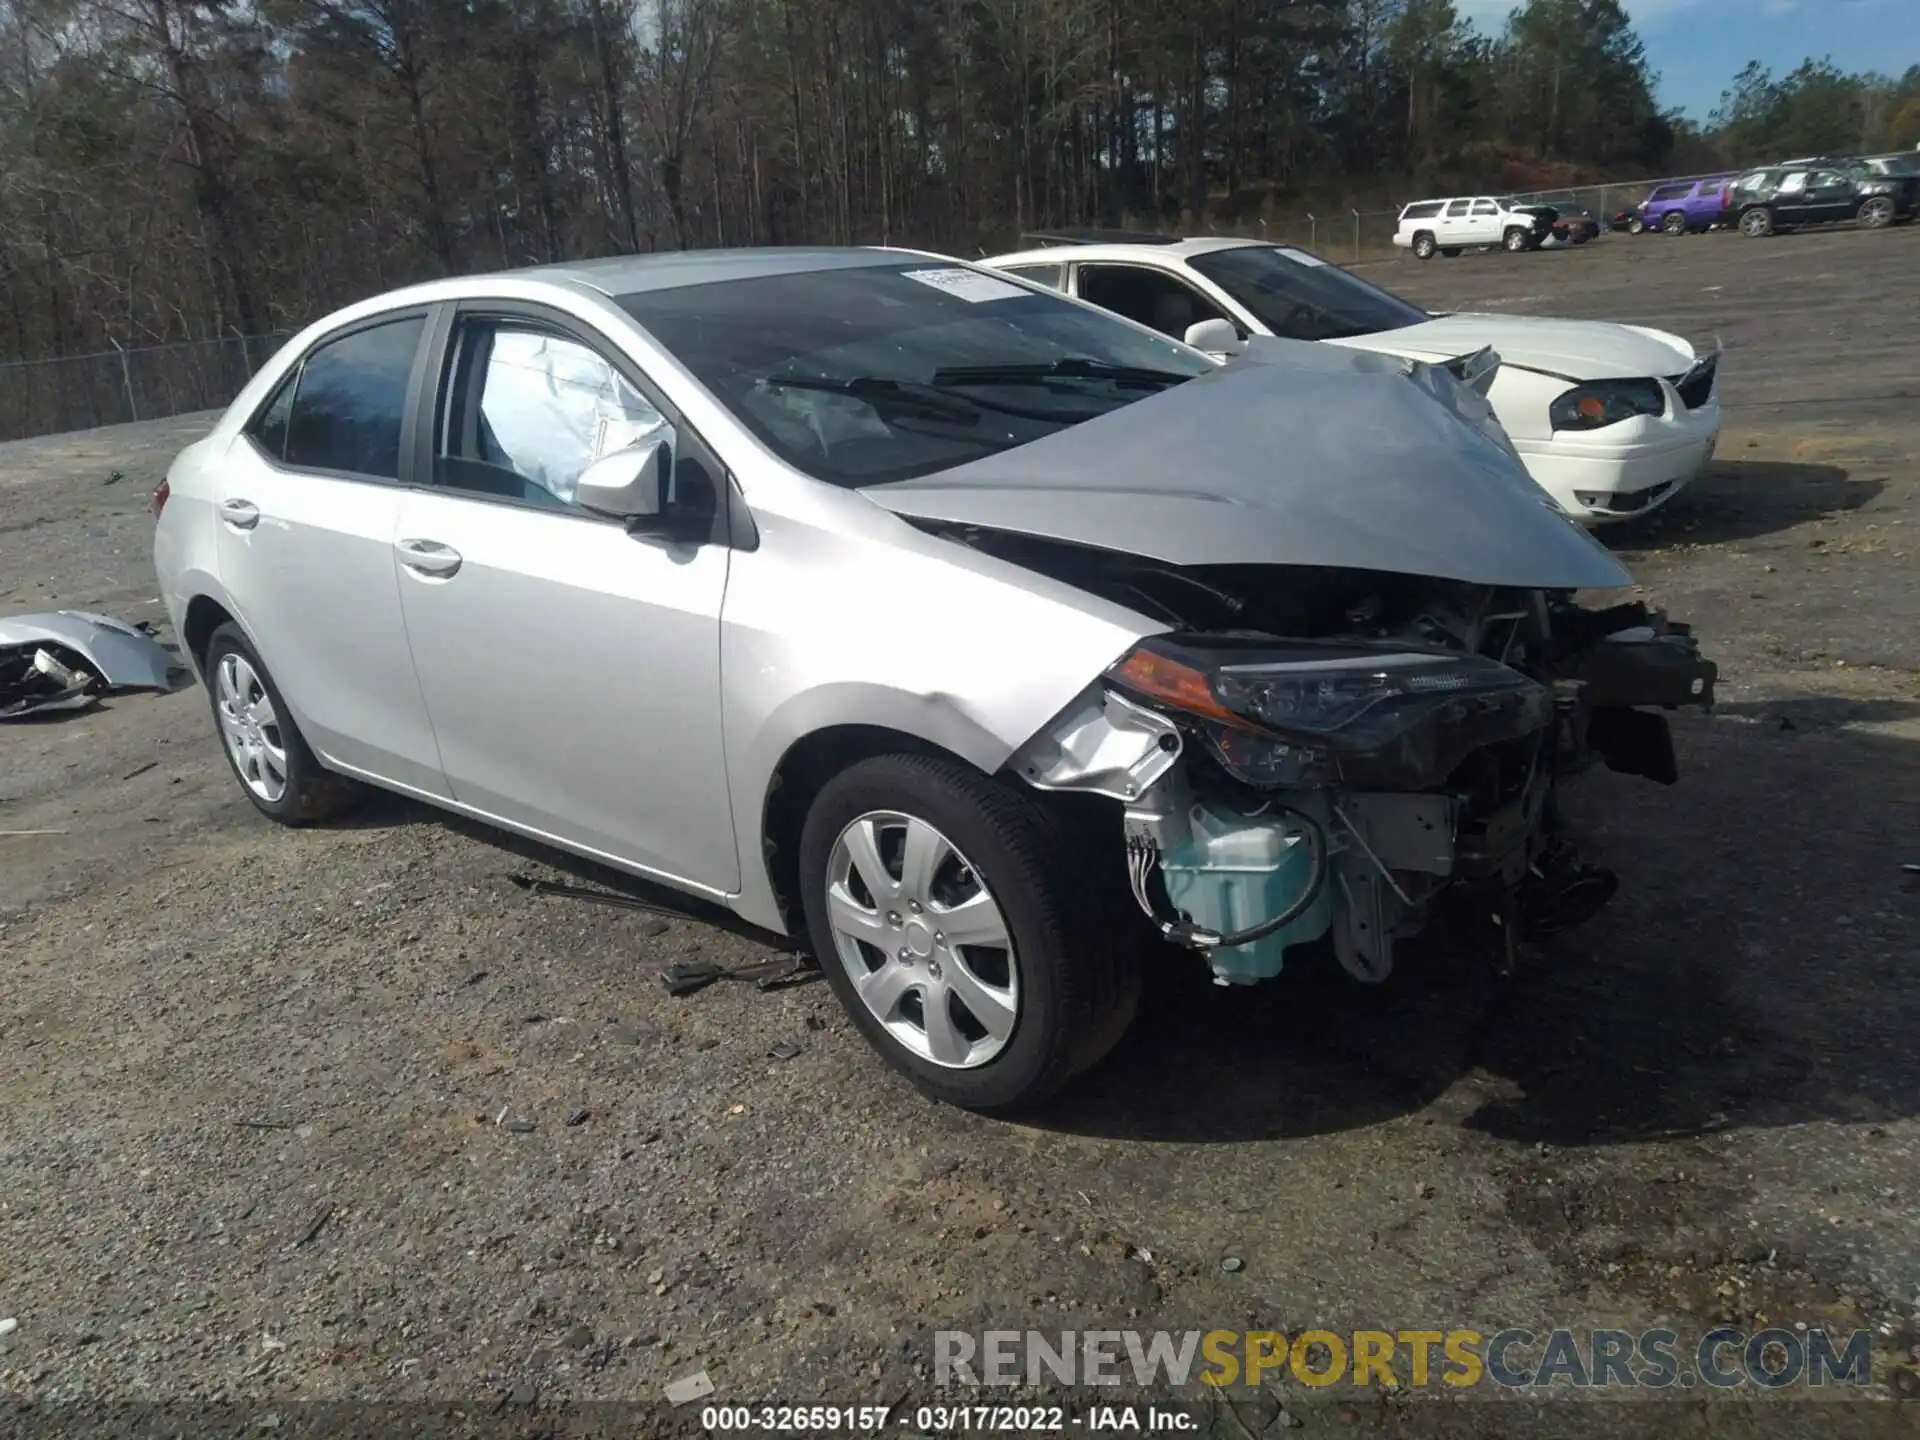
1876, 211
1636, 226
267, 753
1675, 223
1517, 240
1424, 246
1757, 223
951, 918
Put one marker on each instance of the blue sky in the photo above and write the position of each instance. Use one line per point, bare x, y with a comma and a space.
1697, 45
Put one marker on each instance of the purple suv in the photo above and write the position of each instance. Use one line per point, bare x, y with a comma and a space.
1686, 205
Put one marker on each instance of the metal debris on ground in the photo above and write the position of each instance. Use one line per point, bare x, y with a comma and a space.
1231, 1264
520, 1127
141, 769
315, 1226
578, 1117
780, 973
65, 659
696, 1386
783, 1050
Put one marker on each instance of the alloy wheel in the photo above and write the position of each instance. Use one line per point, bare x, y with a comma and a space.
923, 940
251, 728
1877, 212
1756, 223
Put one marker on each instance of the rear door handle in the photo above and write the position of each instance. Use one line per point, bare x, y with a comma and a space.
429, 557
241, 514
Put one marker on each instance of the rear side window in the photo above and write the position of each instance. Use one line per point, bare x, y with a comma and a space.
269, 427
349, 400
1459, 207
1051, 276
1671, 192
1425, 210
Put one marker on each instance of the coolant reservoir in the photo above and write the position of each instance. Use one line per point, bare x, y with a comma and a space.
1232, 872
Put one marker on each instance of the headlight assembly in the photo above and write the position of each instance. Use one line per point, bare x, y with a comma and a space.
1606, 402
1283, 714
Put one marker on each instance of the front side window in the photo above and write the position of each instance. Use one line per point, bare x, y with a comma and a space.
527, 409
1148, 297
349, 399
1485, 207
872, 373
1824, 178
1302, 297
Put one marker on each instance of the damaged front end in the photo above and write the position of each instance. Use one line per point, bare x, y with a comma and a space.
1343, 757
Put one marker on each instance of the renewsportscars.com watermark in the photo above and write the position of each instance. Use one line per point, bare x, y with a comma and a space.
1514, 1359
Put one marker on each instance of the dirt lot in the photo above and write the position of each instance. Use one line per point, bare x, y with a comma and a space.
252, 1081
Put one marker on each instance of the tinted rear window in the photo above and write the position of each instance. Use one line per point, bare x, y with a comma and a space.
1425, 210
348, 402
1670, 192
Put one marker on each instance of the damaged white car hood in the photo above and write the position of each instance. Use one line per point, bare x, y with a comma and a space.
1294, 454
1570, 349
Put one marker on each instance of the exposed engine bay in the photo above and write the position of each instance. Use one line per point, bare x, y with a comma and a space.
1342, 756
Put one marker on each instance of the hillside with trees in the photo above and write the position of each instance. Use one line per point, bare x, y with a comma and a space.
175, 169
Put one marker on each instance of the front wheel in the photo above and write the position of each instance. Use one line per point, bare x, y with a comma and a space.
1516, 240
1757, 223
265, 749
950, 917
1636, 226
1876, 211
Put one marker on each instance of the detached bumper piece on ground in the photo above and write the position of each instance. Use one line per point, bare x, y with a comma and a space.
66, 659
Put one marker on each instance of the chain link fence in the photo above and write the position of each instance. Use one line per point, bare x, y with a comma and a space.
112, 387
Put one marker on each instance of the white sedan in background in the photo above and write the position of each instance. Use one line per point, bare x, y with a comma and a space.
1611, 420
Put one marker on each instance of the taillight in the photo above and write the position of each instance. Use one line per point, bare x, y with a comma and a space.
160, 494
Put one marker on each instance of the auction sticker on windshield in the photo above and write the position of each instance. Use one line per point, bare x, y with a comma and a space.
968, 285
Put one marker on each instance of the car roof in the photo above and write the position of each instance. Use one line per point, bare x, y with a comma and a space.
1157, 249
617, 275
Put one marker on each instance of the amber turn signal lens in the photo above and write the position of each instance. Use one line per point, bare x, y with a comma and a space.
1592, 407
1160, 677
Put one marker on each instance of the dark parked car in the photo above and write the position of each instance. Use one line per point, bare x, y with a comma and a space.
1783, 197
1685, 205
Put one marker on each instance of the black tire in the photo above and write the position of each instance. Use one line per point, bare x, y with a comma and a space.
313, 793
1674, 223
1452, 252
1756, 223
1636, 226
1517, 239
1077, 989
1424, 245
1876, 212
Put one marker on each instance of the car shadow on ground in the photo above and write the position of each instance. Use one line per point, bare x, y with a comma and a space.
1755, 970
1743, 500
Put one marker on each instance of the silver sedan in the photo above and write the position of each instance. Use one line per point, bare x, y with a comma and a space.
926, 615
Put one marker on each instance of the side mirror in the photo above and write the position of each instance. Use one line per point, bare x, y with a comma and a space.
1216, 337
630, 483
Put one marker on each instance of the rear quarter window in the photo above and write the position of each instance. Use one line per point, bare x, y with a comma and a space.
1424, 210
1670, 192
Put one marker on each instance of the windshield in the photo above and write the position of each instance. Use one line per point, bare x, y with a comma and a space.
878, 373
1301, 297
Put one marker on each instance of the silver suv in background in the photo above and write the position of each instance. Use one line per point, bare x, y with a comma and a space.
965, 632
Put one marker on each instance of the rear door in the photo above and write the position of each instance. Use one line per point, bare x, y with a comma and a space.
309, 498
1792, 202
571, 668
1455, 226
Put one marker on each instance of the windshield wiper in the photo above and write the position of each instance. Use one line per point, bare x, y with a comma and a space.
1069, 368
932, 399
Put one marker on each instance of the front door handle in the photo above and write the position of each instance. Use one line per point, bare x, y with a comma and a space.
429, 557
240, 514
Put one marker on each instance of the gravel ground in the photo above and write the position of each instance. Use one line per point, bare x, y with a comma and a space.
342, 1115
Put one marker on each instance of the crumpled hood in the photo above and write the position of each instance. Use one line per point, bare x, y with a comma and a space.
1294, 454
1575, 349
